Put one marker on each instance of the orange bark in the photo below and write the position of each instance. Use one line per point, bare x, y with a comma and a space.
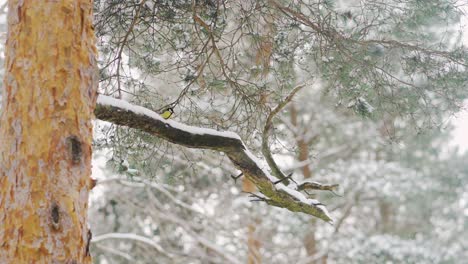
302, 145
254, 256
49, 95
253, 244
310, 241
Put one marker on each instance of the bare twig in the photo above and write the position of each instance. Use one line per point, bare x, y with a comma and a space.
236, 177
123, 43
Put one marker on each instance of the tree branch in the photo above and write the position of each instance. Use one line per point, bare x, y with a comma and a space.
123, 113
124, 42
275, 170
114, 251
131, 236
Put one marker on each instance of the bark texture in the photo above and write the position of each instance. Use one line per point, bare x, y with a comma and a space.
49, 94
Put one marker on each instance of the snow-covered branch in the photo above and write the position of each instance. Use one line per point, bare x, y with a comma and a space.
131, 236
123, 113
140, 182
119, 253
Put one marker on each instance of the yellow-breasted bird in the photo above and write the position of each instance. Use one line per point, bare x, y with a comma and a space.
167, 113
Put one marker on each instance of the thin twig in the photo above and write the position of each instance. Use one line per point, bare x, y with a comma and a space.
123, 43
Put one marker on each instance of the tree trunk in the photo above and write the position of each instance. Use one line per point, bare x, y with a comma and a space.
386, 216
310, 241
253, 244
254, 256
49, 96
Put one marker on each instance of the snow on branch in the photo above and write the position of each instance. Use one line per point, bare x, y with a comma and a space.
140, 182
123, 113
131, 236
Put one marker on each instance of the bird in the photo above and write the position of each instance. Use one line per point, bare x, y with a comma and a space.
167, 113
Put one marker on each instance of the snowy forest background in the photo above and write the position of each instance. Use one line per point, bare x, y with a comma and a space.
381, 81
